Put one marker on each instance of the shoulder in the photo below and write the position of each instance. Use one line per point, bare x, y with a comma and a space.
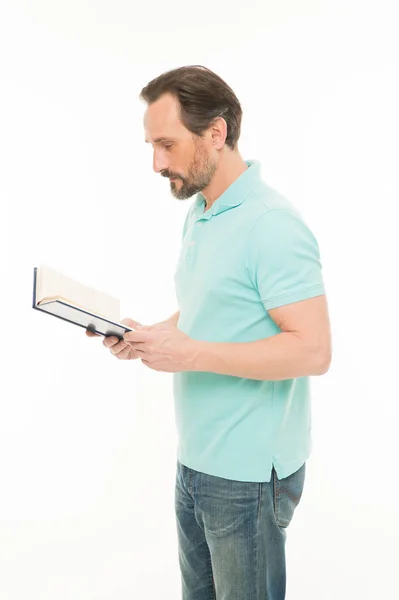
277, 226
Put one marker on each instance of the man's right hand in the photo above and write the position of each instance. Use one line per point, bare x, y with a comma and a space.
118, 347
121, 349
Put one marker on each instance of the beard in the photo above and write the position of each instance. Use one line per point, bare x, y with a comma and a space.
200, 174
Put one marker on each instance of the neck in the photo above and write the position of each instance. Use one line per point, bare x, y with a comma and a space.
231, 165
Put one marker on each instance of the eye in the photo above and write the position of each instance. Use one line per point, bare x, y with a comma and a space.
167, 145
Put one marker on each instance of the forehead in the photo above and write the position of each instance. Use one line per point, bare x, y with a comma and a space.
161, 119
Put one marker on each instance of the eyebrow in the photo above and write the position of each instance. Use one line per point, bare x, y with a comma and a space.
161, 139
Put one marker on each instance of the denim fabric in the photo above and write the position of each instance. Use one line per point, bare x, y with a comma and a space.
232, 534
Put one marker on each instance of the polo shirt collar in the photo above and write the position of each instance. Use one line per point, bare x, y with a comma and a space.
235, 193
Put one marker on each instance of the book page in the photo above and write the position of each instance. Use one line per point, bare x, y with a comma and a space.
54, 285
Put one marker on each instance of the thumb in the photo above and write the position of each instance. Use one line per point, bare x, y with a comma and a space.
129, 322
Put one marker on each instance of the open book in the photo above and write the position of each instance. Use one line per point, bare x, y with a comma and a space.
67, 299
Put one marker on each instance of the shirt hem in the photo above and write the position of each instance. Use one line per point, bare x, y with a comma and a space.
282, 470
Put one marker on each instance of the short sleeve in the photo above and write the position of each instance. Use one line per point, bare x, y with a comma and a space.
284, 259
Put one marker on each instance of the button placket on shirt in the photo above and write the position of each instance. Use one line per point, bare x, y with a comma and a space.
192, 243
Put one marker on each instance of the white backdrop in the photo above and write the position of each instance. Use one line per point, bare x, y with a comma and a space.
88, 442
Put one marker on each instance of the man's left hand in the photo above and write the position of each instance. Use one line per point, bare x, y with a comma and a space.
167, 349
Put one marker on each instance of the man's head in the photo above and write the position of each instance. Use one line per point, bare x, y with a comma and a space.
192, 117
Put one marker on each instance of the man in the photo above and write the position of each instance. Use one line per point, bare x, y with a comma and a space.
252, 328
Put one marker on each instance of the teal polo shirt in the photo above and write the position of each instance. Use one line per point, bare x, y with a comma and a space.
250, 252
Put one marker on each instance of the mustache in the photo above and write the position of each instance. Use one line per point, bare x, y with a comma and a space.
170, 176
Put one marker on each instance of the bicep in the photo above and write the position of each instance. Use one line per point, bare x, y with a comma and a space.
309, 321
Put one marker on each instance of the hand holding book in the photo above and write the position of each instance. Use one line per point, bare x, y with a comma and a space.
122, 350
97, 312
67, 299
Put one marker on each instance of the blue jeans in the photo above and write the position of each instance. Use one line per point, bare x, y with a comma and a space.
231, 534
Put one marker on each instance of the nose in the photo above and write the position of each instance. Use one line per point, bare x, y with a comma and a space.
159, 163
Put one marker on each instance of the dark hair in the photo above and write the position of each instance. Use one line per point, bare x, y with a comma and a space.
203, 96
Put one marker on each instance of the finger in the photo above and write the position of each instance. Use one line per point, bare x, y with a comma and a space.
130, 322
121, 354
139, 351
137, 336
91, 334
110, 341
118, 347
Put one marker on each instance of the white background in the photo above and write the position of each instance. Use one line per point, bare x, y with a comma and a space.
87, 442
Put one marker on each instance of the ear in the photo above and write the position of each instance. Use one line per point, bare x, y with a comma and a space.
219, 133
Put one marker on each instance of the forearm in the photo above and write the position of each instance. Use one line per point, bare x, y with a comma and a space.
282, 356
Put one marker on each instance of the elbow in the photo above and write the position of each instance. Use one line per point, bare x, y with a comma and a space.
323, 362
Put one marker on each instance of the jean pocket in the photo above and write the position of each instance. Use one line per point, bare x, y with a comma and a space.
287, 494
